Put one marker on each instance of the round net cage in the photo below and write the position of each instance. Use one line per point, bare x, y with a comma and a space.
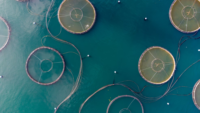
156, 65
45, 66
4, 33
130, 105
185, 15
196, 94
76, 16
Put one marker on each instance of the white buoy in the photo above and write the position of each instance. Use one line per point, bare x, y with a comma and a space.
119, 1
55, 108
87, 26
145, 18
88, 55
198, 49
33, 22
167, 103
115, 72
1, 76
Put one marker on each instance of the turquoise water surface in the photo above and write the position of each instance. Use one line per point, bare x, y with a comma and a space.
115, 43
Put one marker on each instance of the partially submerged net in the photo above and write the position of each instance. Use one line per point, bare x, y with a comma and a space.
196, 94
156, 65
185, 15
76, 16
127, 109
4, 33
45, 66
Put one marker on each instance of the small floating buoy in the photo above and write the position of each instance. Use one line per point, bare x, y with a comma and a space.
33, 22
1, 76
88, 55
167, 103
55, 108
87, 26
145, 19
198, 49
119, 1
115, 72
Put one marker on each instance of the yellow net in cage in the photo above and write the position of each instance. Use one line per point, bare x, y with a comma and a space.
76, 16
156, 65
185, 15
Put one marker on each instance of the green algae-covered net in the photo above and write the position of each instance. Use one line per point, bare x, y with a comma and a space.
156, 65
4, 33
185, 15
76, 16
45, 66
196, 94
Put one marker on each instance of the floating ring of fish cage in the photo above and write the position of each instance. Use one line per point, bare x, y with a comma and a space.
4, 36
196, 94
156, 65
185, 15
45, 66
76, 16
127, 108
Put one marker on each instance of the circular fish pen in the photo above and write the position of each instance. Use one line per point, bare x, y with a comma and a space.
156, 65
45, 66
76, 16
184, 15
196, 94
127, 109
4, 34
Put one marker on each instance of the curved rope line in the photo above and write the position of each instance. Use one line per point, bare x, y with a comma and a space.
81, 63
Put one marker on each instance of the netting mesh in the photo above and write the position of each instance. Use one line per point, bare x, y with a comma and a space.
4, 33
125, 108
196, 94
76, 16
45, 65
156, 65
185, 15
